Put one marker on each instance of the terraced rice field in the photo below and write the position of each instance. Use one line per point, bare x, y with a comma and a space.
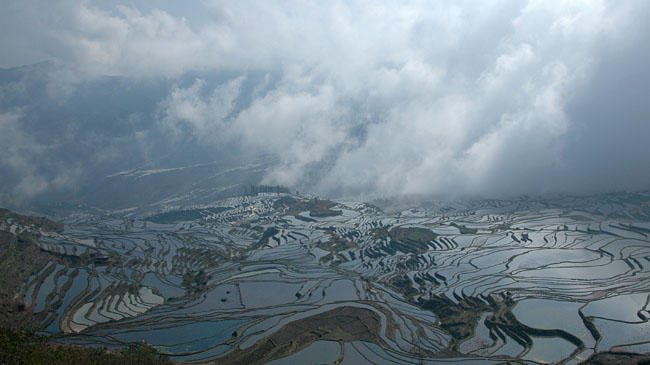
261, 279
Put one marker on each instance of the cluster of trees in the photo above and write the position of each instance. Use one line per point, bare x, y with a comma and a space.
252, 190
20, 347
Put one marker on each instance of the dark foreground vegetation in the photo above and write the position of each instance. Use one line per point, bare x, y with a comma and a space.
611, 357
17, 347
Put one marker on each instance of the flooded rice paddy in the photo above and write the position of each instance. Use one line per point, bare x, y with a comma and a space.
263, 280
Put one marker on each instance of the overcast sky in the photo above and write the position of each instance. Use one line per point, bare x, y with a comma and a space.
371, 98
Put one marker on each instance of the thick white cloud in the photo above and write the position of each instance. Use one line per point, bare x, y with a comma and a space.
431, 97
22, 158
204, 116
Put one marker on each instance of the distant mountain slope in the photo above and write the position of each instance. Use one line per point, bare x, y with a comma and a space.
65, 139
181, 186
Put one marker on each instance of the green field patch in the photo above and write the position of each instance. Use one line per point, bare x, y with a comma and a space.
184, 215
464, 229
318, 208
